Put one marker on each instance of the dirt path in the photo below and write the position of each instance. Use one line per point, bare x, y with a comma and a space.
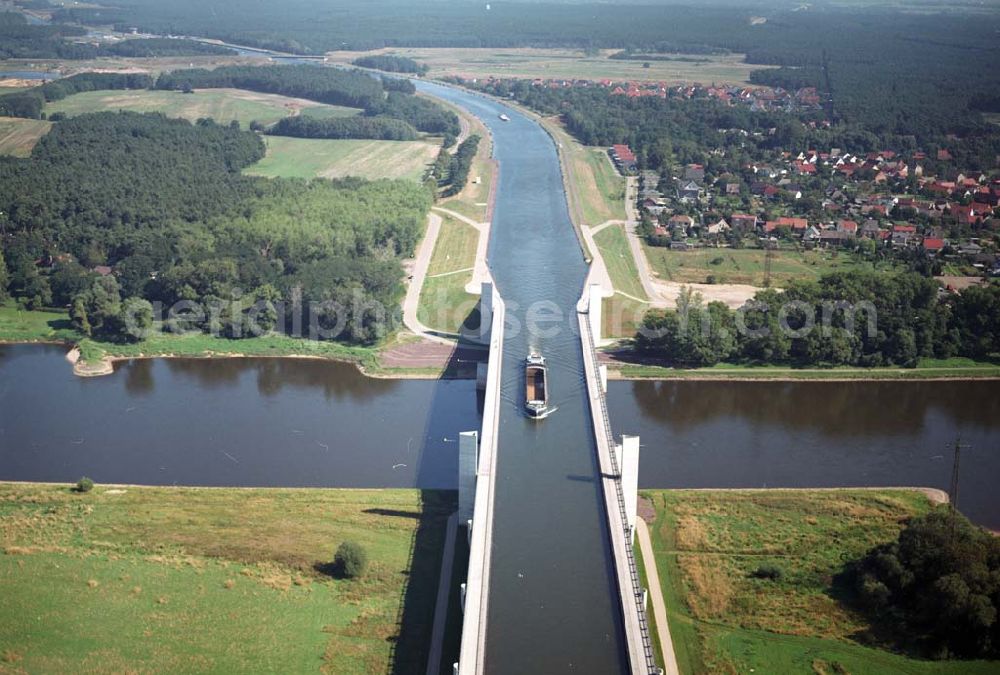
656, 596
416, 284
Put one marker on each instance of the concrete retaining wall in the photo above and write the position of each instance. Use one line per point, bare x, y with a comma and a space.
473, 650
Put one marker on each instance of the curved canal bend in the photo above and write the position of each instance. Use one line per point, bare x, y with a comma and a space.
553, 597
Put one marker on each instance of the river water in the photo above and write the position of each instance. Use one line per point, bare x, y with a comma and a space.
170, 421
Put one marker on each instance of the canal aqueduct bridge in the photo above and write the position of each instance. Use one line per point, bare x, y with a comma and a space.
619, 473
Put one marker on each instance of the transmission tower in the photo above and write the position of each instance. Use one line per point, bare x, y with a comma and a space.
955, 468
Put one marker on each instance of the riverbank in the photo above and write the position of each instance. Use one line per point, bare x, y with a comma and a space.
137, 578
708, 544
399, 357
926, 370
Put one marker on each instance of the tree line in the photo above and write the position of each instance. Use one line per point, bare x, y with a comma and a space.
863, 319
378, 128
31, 103
21, 40
164, 205
391, 63
452, 170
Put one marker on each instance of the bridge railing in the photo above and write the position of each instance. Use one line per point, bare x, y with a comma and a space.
590, 352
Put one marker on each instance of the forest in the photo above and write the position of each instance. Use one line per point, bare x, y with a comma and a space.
925, 77
377, 128
890, 320
19, 40
353, 89
391, 64
670, 131
163, 203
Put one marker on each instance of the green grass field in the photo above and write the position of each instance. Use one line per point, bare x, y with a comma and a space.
521, 63
722, 620
17, 325
472, 202
321, 158
622, 317
600, 187
746, 266
617, 255
444, 304
222, 105
188, 580
596, 192
18, 136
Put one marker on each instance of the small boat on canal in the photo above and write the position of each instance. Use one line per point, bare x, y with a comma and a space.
536, 383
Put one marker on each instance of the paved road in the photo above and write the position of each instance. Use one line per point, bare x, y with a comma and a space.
656, 595
417, 277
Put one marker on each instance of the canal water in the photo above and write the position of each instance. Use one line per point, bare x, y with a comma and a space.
553, 597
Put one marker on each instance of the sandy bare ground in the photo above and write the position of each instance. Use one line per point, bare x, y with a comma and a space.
12, 82
733, 295
425, 354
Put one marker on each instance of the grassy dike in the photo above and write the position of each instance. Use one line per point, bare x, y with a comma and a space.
131, 579
707, 544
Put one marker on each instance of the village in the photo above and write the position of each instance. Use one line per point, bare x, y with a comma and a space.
757, 98
881, 204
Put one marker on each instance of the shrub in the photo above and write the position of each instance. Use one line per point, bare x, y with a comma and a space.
350, 560
84, 485
937, 587
770, 572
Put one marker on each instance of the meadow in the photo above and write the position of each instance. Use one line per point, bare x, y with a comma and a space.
613, 243
222, 105
747, 266
321, 158
473, 200
444, 303
18, 136
130, 579
530, 63
708, 545
595, 189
